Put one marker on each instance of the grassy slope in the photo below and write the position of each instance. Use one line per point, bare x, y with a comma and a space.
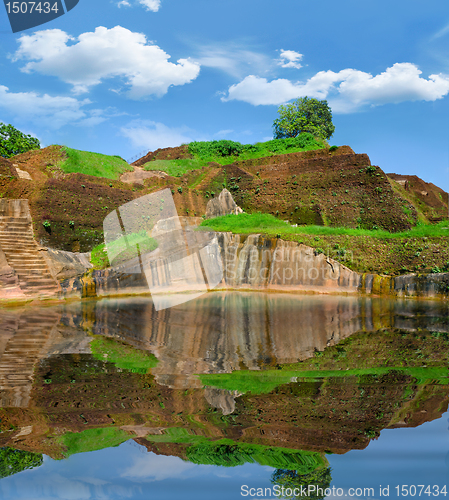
424, 248
94, 164
226, 152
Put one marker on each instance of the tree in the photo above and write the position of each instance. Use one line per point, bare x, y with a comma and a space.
13, 142
304, 115
320, 478
13, 461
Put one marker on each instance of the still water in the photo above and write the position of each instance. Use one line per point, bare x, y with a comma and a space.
231, 395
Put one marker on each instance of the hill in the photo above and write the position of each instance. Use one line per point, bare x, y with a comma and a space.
331, 187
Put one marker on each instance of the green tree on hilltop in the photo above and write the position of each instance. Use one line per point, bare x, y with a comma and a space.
13, 142
304, 115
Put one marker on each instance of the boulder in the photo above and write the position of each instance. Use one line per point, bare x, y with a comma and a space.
64, 265
223, 205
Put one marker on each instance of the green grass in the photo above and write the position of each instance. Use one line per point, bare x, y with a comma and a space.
122, 355
92, 440
263, 382
175, 168
124, 248
268, 224
225, 152
95, 164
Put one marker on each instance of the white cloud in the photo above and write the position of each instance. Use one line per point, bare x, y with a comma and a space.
151, 135
221, 133
441, 32
152, 5
290, 59
48, 111
348, 90
233, 59
102, 54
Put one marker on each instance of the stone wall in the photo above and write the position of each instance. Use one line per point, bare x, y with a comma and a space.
255, 262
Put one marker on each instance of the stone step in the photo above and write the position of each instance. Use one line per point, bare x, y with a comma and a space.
29, 266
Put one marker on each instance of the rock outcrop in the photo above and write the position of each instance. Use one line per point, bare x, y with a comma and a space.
65, 265
223, 205
248, 262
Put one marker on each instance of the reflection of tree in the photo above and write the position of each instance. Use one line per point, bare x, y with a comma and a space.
13, 461
320, 478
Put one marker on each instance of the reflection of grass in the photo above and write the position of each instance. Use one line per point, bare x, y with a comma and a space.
124, 248
228, 453
263, 382
94, 164
92, 439
176, 435
122, 355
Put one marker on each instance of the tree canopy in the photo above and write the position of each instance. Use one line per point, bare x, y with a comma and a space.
13, 142
304, 115
13, 461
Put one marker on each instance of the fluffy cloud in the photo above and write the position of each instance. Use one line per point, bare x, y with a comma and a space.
51, 112
152, 5
290, 59
149, 135
104, 53
348, 90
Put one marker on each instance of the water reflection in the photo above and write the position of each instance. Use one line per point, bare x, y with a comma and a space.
64, 390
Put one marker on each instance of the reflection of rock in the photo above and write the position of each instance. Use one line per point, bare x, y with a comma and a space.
223, 205
221, 398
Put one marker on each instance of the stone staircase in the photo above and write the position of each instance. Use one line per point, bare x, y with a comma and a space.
21, 250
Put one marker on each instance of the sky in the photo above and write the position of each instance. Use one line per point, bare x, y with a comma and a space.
125, 77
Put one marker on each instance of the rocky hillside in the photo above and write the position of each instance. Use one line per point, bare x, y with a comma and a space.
333, 187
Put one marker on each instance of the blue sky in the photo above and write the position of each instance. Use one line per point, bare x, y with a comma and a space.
127, 76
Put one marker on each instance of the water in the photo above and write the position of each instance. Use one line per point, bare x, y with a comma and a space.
233, 395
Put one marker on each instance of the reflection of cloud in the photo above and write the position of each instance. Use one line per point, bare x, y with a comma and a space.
57, 486
152, 467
